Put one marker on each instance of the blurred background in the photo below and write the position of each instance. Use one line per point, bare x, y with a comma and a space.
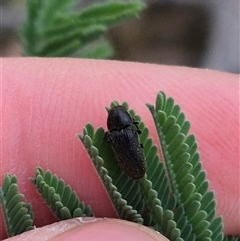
196, 33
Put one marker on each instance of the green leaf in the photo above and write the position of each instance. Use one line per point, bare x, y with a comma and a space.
54, 28
17, 212
61, 199
124, 192
163, 220
107, 13
188, 181
101, 49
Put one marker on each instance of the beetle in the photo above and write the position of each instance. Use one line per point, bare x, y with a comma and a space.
123, 136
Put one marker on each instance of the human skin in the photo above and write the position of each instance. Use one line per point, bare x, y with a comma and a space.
46, 102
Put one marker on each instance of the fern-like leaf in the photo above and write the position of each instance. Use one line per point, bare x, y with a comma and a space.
113, 179
160, 202
61, 199
17, 212
188, 181
53, 28
100, 49
163, 220
107, 13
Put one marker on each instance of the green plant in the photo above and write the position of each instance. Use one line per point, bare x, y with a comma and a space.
61, 199
176, 198
18, 214
53, 28
172, 197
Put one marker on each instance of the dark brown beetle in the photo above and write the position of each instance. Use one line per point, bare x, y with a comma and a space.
123, 137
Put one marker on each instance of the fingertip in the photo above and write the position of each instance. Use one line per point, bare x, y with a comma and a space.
91, 229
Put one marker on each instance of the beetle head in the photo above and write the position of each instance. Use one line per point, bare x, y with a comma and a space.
118, 118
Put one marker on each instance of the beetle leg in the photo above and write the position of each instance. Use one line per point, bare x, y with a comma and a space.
136, 124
